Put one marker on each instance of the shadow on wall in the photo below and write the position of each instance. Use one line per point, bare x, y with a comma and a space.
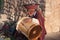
1, 5
42, 5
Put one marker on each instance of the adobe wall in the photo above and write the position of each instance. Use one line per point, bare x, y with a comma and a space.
52, 15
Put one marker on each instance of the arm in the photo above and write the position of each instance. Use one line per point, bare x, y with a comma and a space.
41, 20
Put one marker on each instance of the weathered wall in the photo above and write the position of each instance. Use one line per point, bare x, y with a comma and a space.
52, 12
52, 15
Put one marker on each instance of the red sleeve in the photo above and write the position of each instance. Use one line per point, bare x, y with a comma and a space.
41, 19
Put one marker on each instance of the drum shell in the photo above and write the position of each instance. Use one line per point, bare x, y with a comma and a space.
27, 28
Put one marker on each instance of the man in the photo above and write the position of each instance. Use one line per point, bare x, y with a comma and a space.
33, 13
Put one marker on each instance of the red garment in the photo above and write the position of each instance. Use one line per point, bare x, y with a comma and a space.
31, 6
40, 18
41, 21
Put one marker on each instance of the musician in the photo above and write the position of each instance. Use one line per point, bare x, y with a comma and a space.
34, 13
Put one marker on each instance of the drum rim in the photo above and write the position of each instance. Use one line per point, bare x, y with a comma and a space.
34, 25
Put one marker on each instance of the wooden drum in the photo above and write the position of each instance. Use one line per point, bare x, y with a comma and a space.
30, 27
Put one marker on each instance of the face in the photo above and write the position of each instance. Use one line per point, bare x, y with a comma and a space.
31, 11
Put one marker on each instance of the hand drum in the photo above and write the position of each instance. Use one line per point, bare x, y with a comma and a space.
30, 27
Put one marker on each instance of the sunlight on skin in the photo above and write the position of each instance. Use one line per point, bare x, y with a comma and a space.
31, 11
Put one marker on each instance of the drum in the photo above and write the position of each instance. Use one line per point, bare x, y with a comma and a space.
30, 27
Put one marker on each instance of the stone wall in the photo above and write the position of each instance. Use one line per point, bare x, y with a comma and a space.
52, 15
52, 12
13, 8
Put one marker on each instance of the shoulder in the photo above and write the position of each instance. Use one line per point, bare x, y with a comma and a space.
40, 14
